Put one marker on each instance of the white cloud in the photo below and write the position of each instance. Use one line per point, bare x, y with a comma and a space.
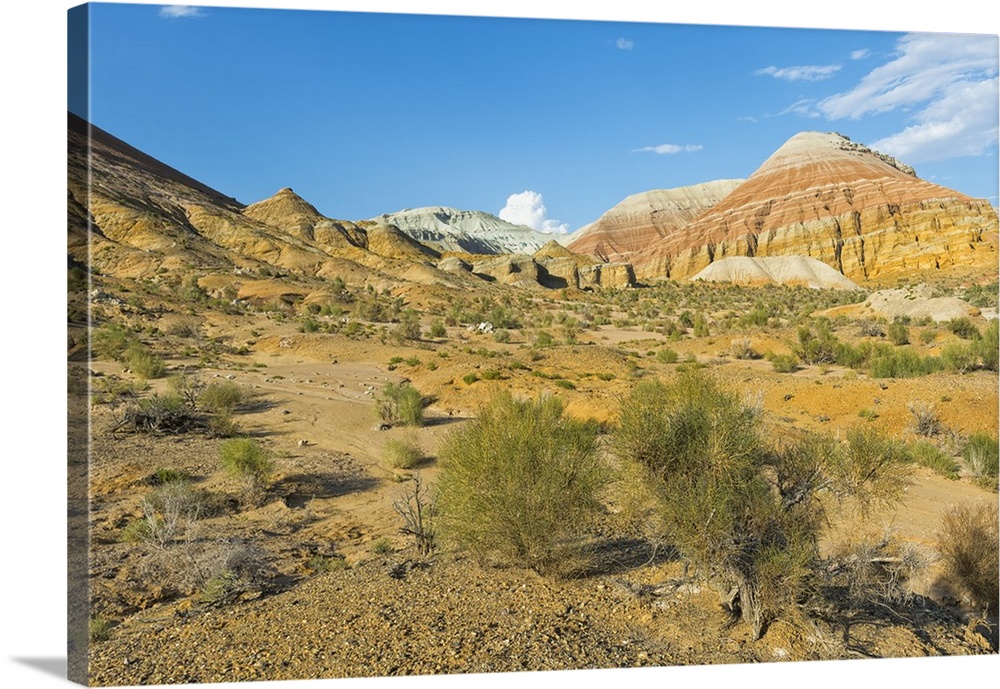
860, 54
806, 107
178, 11
962, 122
800, 72
948, 84
624, 44
528, 208
668, 149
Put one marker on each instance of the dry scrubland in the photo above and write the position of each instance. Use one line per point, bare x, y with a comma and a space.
369, 481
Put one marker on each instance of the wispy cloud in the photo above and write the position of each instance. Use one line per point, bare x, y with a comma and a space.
860, 54
624, 44
528, 208
800, 72
746, 118
669, 149
948, 84
179, 11
805, 107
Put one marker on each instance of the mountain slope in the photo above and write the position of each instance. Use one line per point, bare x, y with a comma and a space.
823, 196
641, 219
472, 232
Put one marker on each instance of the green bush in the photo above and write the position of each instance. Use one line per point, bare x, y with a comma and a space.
982, 455
250, 463
400, 404
927, 455
819, 347
964, 328
111, 341
437, 329
222, 396
899, 334
520, 485
988, 347
744, 513
969, 550
470, 378
958, 357
783, 363
143, 362
402, 453
666, 356
904, 362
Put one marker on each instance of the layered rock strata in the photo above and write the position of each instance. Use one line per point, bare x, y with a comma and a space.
823, 196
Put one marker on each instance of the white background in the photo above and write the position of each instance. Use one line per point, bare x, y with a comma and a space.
32, 332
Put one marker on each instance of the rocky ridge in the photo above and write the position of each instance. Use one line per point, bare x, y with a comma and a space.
473, 232
823, 196
640, 219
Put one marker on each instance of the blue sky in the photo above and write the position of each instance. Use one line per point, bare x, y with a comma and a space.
546, 122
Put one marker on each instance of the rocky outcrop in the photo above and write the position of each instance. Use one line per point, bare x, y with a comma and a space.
775, 270
823, 196
474, 232
916, 302
514, 269
609, 275
642, 219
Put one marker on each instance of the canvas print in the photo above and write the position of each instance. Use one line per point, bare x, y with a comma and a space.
411, 344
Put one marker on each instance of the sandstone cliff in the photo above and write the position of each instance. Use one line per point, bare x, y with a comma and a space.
823, 196
641, 219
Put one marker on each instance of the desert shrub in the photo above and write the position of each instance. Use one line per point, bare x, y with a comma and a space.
959, 358
987, 349
819, 347
927, 455
224, 570
702, 452
111, 341
159, 414
543, 339
492, 374
502, 336
250, 463
870, 329
222, 396
877, 568
400, 404
437, 329
470, 378
925, 421
565, 384
964, 328
968, 546
98, 629
981, 455
899, 334
745, 514
666, 356
904, 362
928, 335
402, 453
742, 349
783, 363
143, 362
520, 484
408, 327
